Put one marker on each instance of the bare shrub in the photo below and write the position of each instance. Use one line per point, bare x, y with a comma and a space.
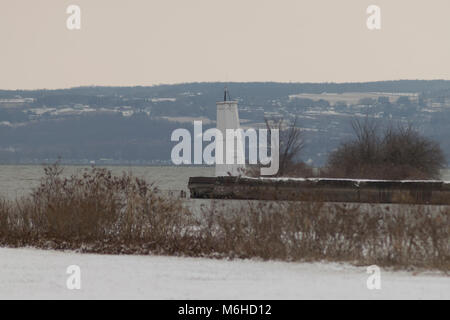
411, 154
98, 209
397, 153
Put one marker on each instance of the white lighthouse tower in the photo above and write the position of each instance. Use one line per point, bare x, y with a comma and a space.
228, 118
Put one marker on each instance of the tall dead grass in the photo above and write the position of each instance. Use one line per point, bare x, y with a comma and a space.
98, 212
414, 236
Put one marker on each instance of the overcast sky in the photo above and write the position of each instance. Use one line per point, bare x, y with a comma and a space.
146, 42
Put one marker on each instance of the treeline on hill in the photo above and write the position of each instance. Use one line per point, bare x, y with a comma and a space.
253, 93
263, 89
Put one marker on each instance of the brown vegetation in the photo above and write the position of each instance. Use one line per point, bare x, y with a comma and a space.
397, 153
98, 212
314, 231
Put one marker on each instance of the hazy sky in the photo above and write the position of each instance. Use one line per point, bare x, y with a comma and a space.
145, 42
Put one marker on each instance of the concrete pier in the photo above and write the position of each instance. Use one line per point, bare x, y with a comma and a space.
327, 190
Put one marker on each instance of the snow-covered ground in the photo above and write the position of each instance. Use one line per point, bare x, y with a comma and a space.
33, 274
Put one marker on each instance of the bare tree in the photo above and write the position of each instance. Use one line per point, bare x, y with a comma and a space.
351, 158
291, 143
412, 154
399, 152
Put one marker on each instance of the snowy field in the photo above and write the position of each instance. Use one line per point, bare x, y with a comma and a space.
35, 274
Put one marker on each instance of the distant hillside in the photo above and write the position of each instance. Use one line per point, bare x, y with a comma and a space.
133, 124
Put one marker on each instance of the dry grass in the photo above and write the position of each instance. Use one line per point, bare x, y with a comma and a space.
98, 212
313, 231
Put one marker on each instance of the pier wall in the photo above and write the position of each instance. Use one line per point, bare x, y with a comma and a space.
326, 190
